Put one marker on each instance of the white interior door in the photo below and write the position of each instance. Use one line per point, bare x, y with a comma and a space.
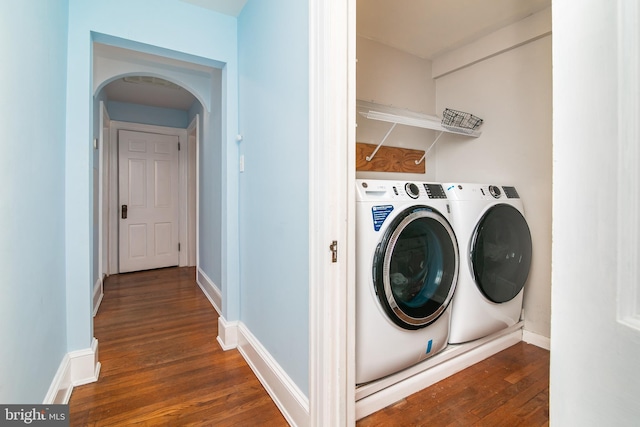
148, 200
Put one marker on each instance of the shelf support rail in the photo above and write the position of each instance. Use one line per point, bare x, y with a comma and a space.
429, 149
369, 158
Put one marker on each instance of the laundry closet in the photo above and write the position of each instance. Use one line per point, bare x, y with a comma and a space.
502, 75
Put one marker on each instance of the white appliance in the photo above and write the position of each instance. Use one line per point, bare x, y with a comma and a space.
406, 272
495, 253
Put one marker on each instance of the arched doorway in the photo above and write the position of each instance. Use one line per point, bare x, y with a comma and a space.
155, 94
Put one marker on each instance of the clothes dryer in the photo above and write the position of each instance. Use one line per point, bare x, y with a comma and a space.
406, 273
495, 252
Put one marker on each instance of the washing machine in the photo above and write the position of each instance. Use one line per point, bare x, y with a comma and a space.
495, 252
406, 272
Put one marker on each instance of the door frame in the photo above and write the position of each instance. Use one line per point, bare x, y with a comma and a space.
102, 144
183, 167
193, 165
332, 64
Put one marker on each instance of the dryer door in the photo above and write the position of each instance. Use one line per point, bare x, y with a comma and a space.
415, 267
501, 253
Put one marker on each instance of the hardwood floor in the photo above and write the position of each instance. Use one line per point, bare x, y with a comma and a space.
161, 363
162, 366
508, 389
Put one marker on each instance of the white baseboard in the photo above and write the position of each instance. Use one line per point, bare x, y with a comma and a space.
77, 368
378, 395
85, 367
293, 404
98, 294
536, 339
61, 386
211, 291
227, 334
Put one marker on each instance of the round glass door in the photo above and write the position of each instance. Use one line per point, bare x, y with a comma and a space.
415, 267
501, 253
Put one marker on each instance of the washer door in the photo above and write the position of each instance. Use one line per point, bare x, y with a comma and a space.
501, 253
415, 267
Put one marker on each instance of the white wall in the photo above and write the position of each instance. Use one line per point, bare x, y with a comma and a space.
510, 88
387, 76
595, 378
512, 93
33, 339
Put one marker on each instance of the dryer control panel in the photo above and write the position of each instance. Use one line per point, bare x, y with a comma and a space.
469, 191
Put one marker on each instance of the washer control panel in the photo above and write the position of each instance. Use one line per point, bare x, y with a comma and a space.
398, 190
435, 191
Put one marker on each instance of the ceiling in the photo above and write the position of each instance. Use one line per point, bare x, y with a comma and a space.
227, 7
428, 28
424, 28
150, 91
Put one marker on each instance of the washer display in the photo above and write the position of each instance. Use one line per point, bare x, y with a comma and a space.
406, 274
496, 248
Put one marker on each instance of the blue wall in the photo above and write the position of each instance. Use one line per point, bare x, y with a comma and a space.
33, 341
135, 113
205, 34
274, 209
47, 211
211, 227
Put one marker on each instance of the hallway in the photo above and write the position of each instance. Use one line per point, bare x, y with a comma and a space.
161, 363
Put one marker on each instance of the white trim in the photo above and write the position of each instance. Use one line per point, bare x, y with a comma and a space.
77, 368
103, 181
198, 192
283, 391
628, 209
192, 242
331, 189
98, 294
211, 291
379, 394
536, 339
227, 334
112, 220
227, 331
61, 386
114, 127
183, 197
85, 367
527, 30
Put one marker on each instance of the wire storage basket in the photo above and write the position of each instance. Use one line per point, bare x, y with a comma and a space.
460, 121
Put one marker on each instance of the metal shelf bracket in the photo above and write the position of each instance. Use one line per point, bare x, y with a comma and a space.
369, 158
429, 149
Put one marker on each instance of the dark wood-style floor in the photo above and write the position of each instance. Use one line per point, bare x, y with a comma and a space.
508, 389
162, 365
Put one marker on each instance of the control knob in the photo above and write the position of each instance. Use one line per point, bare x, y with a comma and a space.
412, 190
495, 191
